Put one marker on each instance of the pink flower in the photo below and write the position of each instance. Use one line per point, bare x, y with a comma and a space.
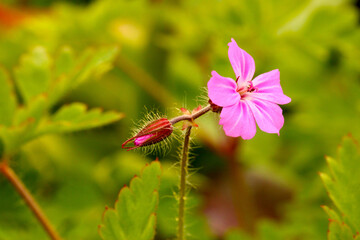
246, 100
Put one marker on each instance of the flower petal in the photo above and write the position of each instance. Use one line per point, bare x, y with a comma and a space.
269, 89
222, 90
242, 63
268, 115
238, 120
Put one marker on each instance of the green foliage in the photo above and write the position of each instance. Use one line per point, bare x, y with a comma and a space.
340, 231
176, 44
343, 189
70, 72
42, 81
75, 117
33, 75
134, 216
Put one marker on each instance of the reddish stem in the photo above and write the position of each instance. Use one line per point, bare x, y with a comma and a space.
29, 200
191, 117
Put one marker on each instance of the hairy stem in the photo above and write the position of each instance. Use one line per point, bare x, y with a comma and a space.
29, 200
182, 187
191, 117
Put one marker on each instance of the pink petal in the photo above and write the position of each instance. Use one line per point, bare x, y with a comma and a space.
237, 120
242, 63
269, 89
140, 140
268, 115
222, 90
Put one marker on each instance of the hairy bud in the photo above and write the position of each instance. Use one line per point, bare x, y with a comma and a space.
152, 133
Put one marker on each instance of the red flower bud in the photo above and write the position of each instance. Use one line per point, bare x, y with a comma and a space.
154, 132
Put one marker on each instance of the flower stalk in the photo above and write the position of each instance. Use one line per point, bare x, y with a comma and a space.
29, 199
191, 117
182, 186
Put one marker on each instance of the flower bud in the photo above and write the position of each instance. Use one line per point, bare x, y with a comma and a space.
152, 133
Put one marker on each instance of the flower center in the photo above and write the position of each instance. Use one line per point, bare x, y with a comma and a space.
248, 88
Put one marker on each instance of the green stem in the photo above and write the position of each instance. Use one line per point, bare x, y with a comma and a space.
29, 200
182, 188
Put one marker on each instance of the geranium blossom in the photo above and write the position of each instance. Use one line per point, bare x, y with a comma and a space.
244, 100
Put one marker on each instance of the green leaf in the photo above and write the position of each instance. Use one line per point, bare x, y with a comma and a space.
91, 63
342, 185
25, 122
332, 214
75, 117
64, 65
7, 100
41, 84
339, 231
64, 62
95, 63
134, 216
15, 136
33, 75
34, 110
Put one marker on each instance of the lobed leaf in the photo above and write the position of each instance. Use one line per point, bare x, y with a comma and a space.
24, 124
75, 117
33, 75
95, 63
339, 231
41, 82
34, 110
134, 216
342, 185
64, 62
332, 214
69, 74
12, 138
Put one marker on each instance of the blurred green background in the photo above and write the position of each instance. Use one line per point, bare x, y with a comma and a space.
167, 49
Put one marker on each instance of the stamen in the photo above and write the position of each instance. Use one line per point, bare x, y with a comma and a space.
251, 87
